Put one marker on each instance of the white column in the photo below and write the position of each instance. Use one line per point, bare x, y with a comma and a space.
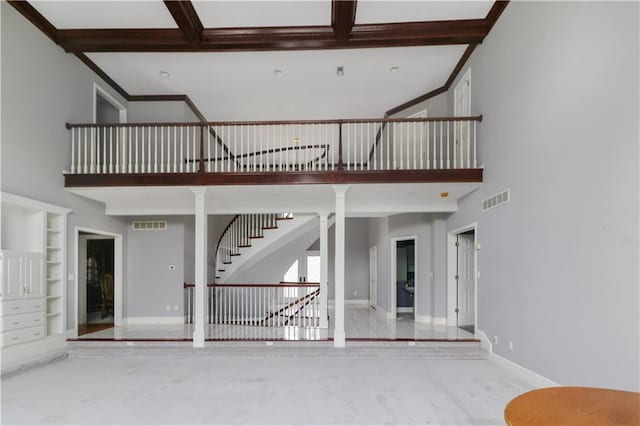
338, 332
324, 268
201, 267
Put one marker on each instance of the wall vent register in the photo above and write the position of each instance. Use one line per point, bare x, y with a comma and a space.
150, 225
496, 200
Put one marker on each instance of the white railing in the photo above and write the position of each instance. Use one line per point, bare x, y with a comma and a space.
268, 305
249, 147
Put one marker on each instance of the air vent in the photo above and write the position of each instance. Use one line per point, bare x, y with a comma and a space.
149, 225
496, 200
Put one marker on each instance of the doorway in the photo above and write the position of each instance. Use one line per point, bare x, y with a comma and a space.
96, 259
405, 279
462, 261
465, 281
373, 276
98, 285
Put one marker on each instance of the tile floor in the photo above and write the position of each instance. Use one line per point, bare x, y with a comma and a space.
360, 323
252, 383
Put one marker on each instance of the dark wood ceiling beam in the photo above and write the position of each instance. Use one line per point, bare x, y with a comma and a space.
343, 16
120, 40
187, 19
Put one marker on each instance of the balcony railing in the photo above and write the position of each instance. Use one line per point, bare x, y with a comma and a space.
276, 146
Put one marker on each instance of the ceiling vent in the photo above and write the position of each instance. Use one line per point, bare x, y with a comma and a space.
496, 200
150, 225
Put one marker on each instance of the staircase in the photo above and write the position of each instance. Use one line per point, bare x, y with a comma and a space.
249, 238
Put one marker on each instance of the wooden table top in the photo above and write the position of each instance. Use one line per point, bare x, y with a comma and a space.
566, 405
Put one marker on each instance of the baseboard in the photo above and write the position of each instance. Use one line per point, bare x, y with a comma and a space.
407, 310
352, 302
439, 320
485, 343
153, 320
424, 319
532, 377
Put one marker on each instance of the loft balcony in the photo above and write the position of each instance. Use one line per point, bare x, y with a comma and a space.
362, 151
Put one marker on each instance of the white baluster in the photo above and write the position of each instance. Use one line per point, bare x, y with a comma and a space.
441, 140
448, 143
475, 143
181, 149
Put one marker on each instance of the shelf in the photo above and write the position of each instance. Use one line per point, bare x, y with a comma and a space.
54, 297
54, 279
54, 231
54, 314
54, 248
53, 262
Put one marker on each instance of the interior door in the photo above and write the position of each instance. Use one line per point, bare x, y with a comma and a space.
466, 280
373, 276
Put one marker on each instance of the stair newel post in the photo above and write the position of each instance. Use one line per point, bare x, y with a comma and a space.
340, 165
201, 166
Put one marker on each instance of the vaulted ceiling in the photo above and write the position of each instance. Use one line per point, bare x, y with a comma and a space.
270, 60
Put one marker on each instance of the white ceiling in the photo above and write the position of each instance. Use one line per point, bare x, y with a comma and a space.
227, 14
105, 14
224, 14
362, 200
376, 12
242, 86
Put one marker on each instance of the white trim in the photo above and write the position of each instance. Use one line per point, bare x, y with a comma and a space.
532, 377
117, 105
405, 310
394, 252
154, 320
7, 197
485, 342
423, 319
451, 268
118, 261
352, 302
439, 321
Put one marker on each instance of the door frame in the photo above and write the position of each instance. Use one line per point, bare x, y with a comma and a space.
118, 257
452, 269
393, 313
122, 110
373, 298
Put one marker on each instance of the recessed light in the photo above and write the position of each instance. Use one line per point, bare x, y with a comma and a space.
164, 74
394, 69
340, 71
278, 73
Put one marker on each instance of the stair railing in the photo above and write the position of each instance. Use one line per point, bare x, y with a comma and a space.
260, 305
240, 232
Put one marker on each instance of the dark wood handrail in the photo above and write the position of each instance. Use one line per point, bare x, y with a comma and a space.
299, 300
306, 301
282, 122
222, 236
281, 285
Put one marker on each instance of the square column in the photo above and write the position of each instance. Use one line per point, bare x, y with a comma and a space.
338, 332
324, 269
201, 267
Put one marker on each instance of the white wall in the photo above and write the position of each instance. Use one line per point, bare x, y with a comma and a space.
160, 111
43, 88
356, 282
557, 84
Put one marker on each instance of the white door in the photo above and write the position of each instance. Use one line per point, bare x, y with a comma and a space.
373, 276
462, 108
12, 275
466, 281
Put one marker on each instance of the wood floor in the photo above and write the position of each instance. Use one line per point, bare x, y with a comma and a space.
84, 329
361, 323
